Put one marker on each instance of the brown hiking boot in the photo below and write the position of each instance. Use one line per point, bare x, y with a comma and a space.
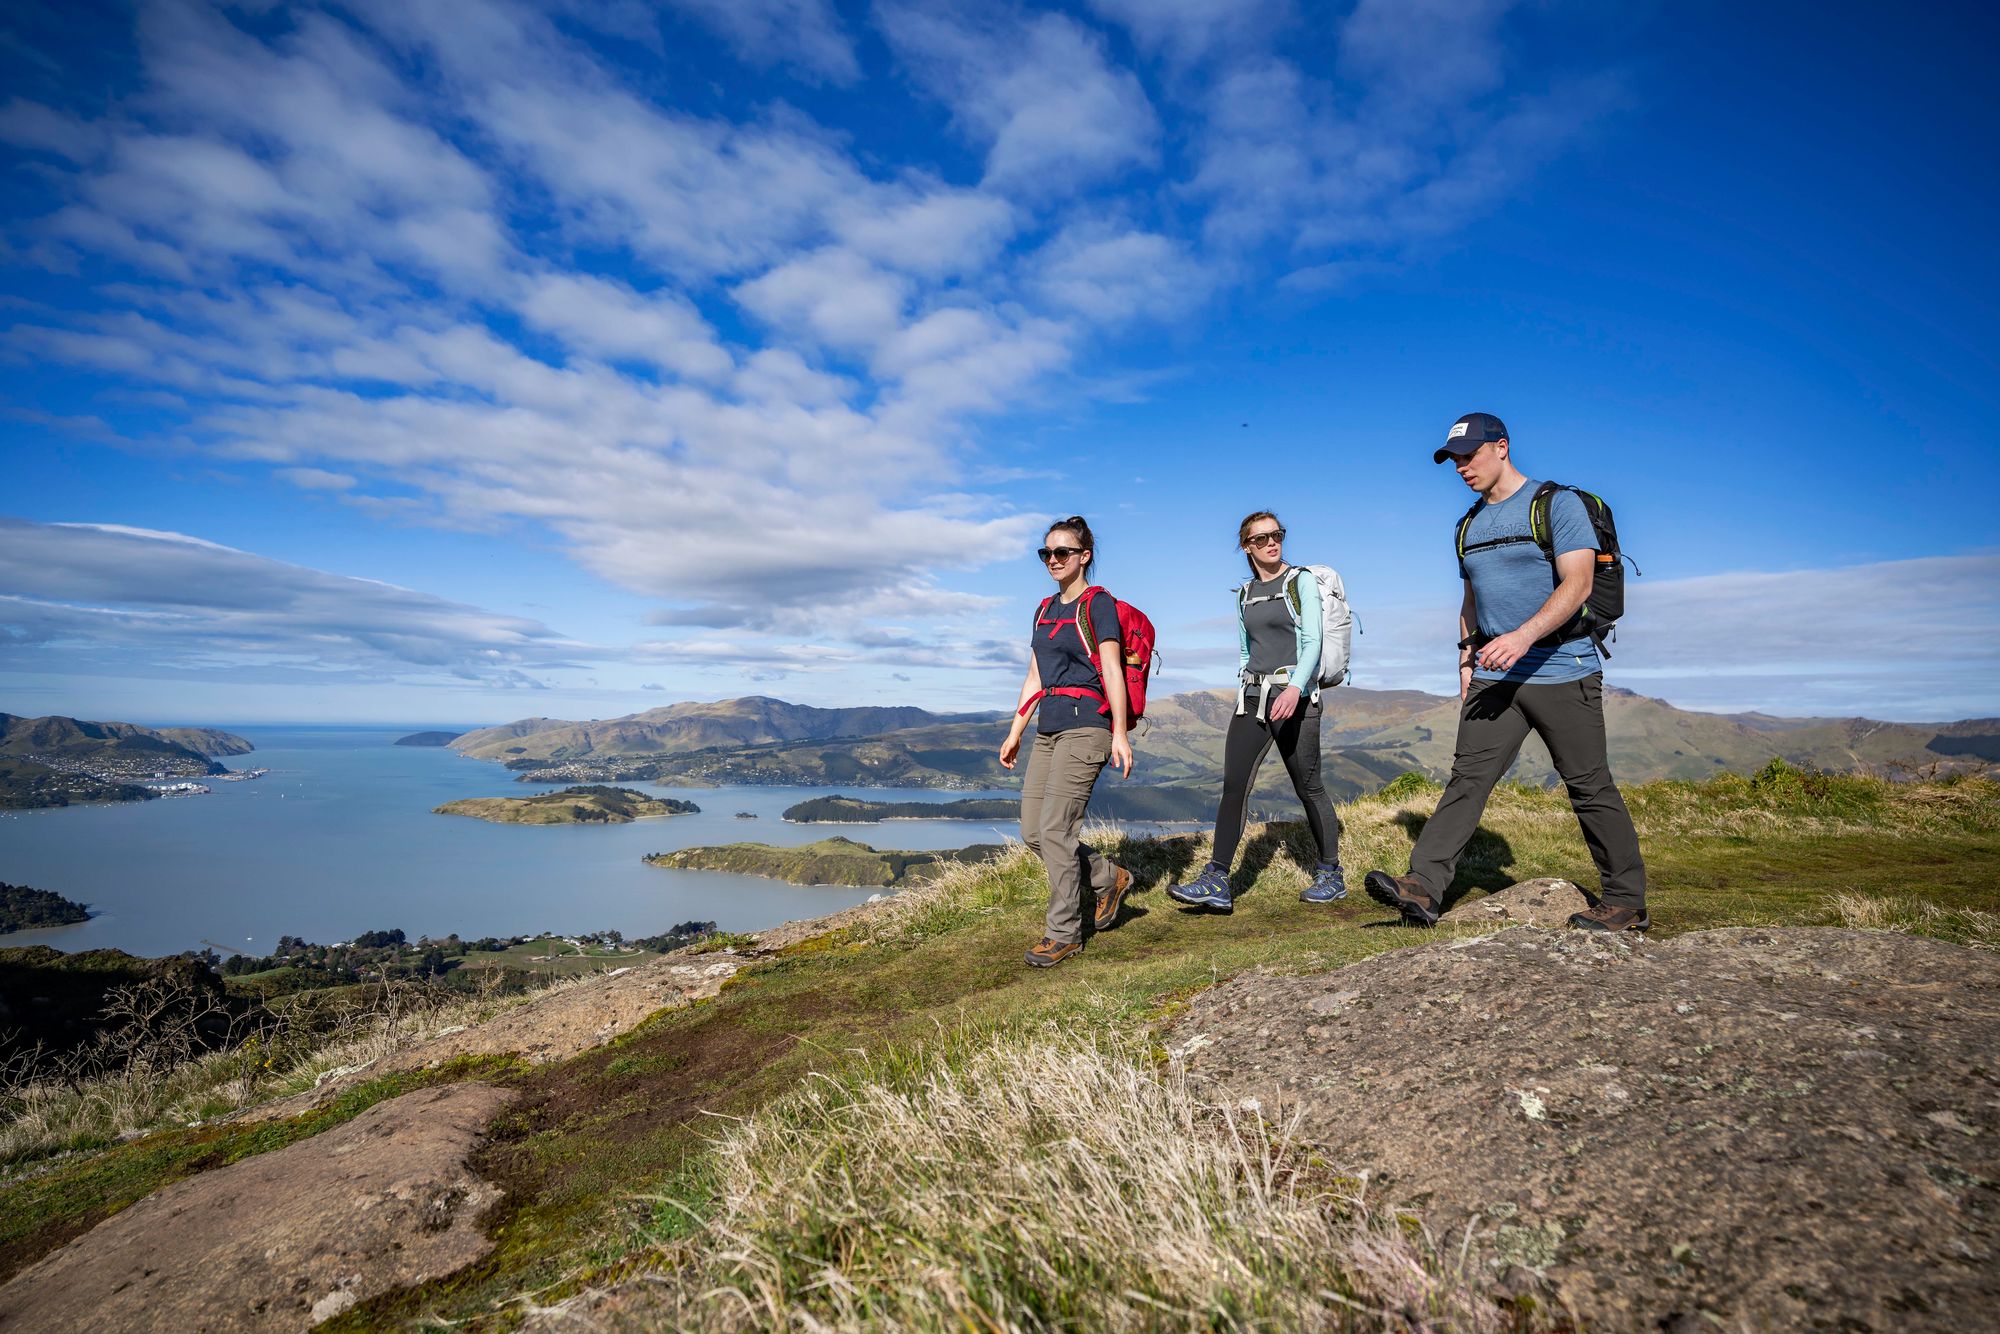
1052, 952
1604, 917
1404, 893
1109, 900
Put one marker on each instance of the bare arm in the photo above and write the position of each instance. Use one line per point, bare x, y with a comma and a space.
1010, 749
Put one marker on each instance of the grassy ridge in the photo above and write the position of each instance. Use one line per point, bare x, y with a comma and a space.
923, 1030
937, 988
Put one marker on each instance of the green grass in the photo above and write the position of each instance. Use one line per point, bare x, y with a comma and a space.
610, 1160
534, 956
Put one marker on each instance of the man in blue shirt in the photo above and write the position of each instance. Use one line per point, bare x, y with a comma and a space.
1516, 675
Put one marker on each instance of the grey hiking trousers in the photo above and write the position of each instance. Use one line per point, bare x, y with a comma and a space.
1569, 717
1062, 768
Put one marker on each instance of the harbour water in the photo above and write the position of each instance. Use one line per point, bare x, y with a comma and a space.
338, 838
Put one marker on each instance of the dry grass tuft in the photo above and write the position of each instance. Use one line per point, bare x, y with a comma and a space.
54, 1110
1038, 1181
1918, 917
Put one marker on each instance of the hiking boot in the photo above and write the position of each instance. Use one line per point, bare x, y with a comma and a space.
1604, 917
1404, 893
1210, 890
1108, 901
1328, 885
1052, 952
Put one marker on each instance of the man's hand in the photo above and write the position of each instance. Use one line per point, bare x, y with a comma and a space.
1504, 651
1010, 749
1464, 679
1285, 705
1121, 754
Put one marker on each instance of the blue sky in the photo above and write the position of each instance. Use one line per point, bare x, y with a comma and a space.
427, 361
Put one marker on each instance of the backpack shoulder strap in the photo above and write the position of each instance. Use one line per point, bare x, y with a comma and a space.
1465, 522
1083, 620
1540, 526
1293, 598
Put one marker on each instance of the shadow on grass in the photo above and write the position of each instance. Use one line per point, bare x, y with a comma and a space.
1483, 864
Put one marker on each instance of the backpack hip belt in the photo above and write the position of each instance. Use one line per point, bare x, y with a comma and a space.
1262, 685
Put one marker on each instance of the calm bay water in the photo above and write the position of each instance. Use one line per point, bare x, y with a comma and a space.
339, 838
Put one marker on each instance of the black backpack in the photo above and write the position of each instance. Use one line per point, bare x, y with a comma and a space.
1600, 611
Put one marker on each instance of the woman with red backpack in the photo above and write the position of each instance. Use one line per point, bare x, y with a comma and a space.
1077, 675
1279, 632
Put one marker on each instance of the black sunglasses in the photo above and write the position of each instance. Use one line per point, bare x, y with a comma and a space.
1272, 538
1048, 554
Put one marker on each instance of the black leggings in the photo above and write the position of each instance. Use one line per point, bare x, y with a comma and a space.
1297, 739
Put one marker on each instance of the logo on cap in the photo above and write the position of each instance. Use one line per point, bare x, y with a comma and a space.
1457, 430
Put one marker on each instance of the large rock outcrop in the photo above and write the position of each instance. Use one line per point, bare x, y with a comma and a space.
1744, 1128
284, 1240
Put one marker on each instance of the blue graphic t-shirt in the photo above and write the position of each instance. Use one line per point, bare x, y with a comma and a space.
1510, 583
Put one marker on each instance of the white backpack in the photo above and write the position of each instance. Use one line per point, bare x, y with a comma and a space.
1336, 620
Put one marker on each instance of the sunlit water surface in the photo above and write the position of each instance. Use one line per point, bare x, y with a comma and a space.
339, 838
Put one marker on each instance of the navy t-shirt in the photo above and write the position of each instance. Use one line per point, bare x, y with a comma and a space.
1063, 660
1510, 583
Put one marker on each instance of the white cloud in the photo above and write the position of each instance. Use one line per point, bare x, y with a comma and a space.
103, 594
453, 264
1038, 92
1188, 30
805, 34
603, 317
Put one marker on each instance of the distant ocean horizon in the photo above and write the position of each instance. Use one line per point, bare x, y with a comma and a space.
339, 838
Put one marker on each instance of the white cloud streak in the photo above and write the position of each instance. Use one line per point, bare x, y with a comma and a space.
105, 594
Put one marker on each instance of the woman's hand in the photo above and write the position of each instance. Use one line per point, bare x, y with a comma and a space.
1285, 705
1121, 753
1010, 749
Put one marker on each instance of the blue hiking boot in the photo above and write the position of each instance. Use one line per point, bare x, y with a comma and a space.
1328, 884
1208, 890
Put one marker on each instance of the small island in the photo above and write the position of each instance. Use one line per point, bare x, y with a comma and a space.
831, 861
837, 809
24, 909
428, 738
572, 805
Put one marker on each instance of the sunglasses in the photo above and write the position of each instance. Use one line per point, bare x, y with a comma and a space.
1270, 539
1050, 555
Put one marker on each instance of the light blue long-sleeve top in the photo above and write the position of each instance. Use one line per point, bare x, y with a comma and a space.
1305, 668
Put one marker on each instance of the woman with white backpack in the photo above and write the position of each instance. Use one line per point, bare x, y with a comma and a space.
1282, 632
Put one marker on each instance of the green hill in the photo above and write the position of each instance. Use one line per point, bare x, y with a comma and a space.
853, 810
681, 728
23, 909
572, 805
831, 861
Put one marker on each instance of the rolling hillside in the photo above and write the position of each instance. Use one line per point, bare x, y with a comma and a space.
681, 728
1370, 736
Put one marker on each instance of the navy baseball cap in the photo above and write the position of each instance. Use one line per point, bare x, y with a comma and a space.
1468, 433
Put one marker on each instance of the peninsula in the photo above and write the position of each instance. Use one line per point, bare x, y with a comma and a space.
428, 739
58, 761
24, 909
572, 805
831, 861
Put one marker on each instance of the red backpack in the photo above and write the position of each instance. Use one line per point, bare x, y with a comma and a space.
1135, 636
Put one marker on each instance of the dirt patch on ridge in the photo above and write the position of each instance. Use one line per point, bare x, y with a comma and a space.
1757, 1128
288, 1238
